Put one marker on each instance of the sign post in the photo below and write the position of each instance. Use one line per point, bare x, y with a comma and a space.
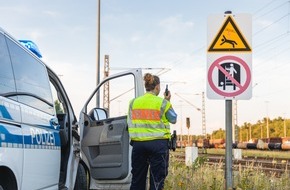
229, 142
188, 126
229, 60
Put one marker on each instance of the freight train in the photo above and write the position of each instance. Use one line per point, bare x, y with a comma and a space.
273, 143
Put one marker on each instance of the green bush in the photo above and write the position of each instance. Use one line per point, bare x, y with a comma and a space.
202, 176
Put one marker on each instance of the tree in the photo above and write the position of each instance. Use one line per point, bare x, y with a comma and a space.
58, 107
258, 130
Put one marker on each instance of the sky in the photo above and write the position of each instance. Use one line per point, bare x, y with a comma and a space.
168, 36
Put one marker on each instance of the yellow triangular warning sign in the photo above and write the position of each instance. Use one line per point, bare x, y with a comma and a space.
229, 38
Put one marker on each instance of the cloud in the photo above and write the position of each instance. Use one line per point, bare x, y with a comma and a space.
52, 14
175, 24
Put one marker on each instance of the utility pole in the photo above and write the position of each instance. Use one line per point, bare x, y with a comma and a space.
285, 132
267, 125
106, 90
250, 128
203, 116
181, 137
235, 121
98, 53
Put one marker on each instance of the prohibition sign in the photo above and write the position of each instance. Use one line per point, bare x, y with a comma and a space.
242, 87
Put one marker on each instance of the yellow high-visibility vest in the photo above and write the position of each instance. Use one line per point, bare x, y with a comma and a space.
146, 118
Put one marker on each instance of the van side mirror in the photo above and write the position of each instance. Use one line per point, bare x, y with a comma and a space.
98, 114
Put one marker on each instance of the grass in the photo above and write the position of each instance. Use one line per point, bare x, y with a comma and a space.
201, 176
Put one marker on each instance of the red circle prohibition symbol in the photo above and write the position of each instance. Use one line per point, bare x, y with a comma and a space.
242, 88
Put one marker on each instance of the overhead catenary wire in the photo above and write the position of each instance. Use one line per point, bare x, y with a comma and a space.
270, 45
275, 8
265, 6
276, 21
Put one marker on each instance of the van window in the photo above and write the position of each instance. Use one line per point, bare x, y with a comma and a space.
32, 84
6, 74
59, 107
115, 96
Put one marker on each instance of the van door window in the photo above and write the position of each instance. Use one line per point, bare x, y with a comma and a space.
59, 107
115, 95
7, 84
31, 79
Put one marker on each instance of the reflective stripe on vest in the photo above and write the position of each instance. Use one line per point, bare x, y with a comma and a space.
142, 114
148, 122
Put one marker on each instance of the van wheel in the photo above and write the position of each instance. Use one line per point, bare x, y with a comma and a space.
7, 179
81, 179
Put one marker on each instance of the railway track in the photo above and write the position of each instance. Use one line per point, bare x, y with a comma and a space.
268, 165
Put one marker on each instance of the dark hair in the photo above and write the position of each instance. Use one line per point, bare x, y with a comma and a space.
150, 81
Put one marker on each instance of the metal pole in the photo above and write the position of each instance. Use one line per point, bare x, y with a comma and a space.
181, 141
229, 143
98, 54
267, 125
229, 139
250, 128
203, 115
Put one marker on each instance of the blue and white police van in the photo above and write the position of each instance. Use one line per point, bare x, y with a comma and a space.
42, 145
39, 144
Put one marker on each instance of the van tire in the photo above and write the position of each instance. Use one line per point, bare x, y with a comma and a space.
7, 179
81, 179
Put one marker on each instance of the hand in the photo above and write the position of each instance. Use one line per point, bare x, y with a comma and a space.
168, 96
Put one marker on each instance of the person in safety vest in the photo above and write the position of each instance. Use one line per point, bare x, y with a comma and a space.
148, 121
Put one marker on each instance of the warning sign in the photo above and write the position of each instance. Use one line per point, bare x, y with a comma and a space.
229, 38
229, 76
229, 56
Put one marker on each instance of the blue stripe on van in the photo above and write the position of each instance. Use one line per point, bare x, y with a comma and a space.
5, 114
15, 139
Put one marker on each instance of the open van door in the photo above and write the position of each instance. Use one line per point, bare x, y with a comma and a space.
104, 133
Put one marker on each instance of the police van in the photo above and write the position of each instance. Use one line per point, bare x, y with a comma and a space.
42, 144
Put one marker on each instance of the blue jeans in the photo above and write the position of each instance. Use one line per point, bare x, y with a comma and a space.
155, 154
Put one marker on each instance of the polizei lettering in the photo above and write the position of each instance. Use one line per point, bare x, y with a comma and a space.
42, 137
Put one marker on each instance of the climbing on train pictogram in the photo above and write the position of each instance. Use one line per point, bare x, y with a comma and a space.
233, 71
233, 79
